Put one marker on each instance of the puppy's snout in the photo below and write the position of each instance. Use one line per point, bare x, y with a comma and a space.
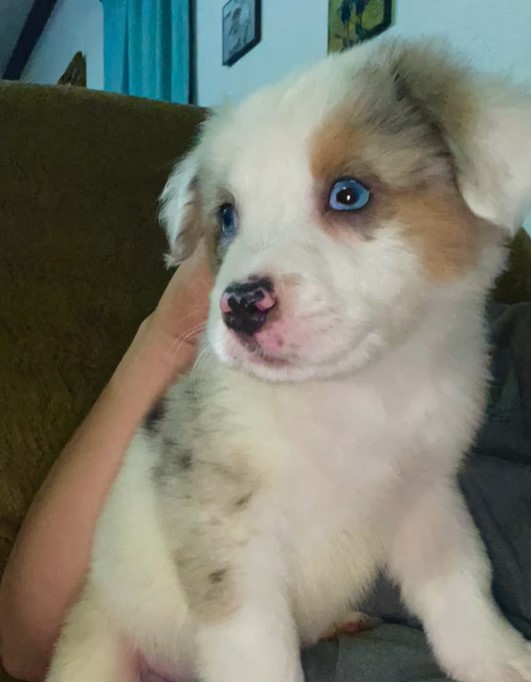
246, 305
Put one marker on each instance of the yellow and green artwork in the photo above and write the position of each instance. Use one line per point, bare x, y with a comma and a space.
353, 21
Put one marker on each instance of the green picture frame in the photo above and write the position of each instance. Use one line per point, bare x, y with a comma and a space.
353, 21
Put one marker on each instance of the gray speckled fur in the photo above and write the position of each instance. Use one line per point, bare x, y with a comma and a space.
201, 492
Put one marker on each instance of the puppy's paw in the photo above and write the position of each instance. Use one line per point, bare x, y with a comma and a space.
353, 623
511, 664
522, 664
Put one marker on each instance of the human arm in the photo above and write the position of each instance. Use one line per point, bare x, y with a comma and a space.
50, 557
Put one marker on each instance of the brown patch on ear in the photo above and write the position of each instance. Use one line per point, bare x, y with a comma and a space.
437, 87
442, 229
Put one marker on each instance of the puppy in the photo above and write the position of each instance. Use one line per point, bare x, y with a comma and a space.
355, 218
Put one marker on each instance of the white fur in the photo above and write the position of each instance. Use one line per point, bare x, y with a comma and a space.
354, 442
501, 191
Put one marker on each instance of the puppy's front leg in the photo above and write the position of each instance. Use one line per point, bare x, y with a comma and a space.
257, 641
91, 648
440, 562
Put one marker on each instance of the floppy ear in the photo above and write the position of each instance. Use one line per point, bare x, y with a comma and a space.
486, 125
180, 210
497, 185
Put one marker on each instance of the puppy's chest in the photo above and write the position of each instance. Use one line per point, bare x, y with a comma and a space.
308, 469
314, 448
339, 436
327, 527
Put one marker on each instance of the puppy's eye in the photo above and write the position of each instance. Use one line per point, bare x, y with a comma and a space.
228, 221
348, 194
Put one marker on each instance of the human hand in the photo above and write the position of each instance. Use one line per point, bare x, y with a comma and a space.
183, 308
179, 318
166, 342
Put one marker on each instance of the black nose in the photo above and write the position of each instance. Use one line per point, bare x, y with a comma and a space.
246, 305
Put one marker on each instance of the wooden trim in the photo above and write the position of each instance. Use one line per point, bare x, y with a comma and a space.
29, 36
192, 29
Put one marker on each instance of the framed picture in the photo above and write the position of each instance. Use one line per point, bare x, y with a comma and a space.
241, 28
353, 21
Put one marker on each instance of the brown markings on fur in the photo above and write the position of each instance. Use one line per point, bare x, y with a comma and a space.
213, 236
441, 227
346, 145
185, 459
439, 88
335, 154
210, 591
155, 416
192, 223
243, 501
213, 250
214, 526
411, 178
217, 576
199, 220
207, 204
381, 161
177, 458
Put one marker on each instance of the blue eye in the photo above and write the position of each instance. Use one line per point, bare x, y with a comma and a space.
348, 194
228, 221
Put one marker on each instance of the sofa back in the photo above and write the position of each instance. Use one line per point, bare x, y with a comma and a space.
81, 261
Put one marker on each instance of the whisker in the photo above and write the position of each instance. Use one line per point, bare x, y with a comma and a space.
179, 341
188, 315
200, 358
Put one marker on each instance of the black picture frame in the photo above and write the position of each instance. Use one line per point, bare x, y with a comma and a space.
386, 22
249, 33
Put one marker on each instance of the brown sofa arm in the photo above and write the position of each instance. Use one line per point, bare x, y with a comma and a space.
82, 262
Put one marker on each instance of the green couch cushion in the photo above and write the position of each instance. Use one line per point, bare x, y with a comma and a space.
81, 261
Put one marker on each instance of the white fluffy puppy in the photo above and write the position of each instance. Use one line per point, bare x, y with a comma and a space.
354, 217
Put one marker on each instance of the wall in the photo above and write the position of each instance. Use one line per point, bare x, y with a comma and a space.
494, 39
13, 15
73, 25
294, 33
